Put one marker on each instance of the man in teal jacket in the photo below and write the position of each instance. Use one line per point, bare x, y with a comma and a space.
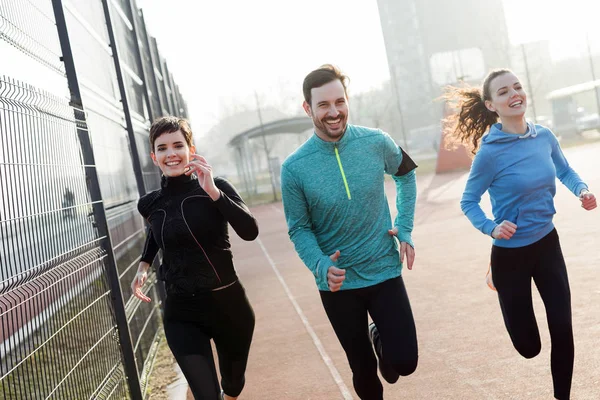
339, 221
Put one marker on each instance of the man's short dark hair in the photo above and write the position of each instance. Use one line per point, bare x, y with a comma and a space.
324, 74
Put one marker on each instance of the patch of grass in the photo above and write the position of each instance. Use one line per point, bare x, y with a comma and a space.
163, 373
72, 362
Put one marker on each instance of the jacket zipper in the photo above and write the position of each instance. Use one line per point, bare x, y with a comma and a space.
196, 240
337, 155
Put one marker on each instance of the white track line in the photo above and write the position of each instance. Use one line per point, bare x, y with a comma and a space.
326, 359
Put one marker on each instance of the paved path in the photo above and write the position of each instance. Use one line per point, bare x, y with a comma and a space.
465, 352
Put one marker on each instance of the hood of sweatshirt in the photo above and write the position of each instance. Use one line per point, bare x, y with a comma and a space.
497, 135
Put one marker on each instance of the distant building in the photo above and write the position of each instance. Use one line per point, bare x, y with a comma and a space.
432, 43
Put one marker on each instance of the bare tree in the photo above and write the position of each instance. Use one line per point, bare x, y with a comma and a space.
374, 108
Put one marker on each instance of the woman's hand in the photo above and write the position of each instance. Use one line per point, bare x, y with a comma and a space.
504, 231
588, 200
203, 170
139, 280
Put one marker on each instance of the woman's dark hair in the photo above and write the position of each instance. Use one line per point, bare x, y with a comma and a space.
472, 119
170, 124
324, 74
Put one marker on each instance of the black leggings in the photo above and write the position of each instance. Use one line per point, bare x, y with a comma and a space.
512, 271
191, 321
389, 307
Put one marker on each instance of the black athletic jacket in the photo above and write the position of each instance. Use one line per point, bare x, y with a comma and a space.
192, 231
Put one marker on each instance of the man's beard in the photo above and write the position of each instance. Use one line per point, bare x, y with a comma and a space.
324, 128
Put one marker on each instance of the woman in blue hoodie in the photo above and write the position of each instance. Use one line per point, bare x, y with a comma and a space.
518, 162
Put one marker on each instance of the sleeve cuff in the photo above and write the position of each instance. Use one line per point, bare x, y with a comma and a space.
581, 187
147, 260
219, 200
489, 227
321, 271
405, 237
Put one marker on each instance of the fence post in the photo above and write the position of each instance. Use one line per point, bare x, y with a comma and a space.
99, 213
148, 44
159, 285
135, 155
140, 60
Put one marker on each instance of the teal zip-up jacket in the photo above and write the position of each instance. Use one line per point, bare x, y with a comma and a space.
334, 199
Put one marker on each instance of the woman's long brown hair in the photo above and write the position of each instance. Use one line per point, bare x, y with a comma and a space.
472, 119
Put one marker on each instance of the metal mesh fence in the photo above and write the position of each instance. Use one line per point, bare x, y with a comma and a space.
70, 233
160, 78
147, 64
58, 326
29, 26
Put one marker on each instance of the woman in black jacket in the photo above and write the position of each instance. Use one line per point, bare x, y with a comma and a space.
188, 218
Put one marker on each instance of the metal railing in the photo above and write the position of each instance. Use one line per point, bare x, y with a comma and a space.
71, 171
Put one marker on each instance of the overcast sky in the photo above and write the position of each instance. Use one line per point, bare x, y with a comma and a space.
220, 52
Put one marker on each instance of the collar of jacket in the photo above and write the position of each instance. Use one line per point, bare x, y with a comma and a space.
178, 184
329, 147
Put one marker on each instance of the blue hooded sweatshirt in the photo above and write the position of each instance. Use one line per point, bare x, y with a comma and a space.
519, 171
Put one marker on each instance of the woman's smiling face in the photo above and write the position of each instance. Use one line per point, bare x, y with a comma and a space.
172, 153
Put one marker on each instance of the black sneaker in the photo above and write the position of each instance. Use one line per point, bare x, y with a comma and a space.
387, 372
